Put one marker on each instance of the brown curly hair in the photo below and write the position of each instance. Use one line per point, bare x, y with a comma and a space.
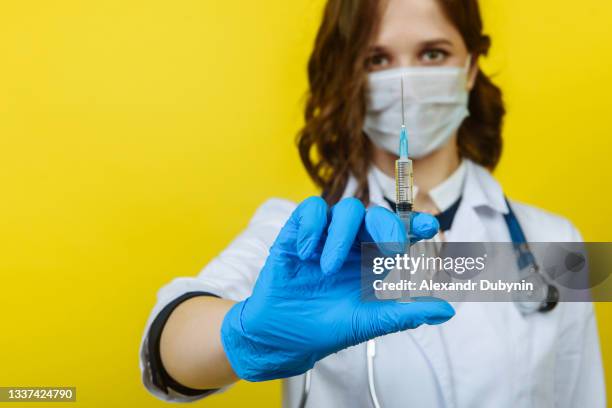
332, 144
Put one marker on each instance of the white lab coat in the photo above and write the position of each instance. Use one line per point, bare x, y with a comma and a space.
488, 355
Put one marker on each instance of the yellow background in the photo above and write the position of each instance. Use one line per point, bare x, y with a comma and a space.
137, 137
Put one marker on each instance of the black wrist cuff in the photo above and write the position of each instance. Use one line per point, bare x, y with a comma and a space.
161, 378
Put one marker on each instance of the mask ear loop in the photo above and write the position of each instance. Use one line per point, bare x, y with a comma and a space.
466, 68
468, 62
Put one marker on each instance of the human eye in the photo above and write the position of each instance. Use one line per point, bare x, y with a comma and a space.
378, 61
434, 56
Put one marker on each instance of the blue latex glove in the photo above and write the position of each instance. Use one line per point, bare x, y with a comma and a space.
306, 302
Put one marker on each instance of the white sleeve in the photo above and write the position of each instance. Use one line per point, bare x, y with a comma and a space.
589, 389
231, 275
579, 370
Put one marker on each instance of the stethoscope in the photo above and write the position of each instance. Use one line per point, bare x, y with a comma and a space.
543, 298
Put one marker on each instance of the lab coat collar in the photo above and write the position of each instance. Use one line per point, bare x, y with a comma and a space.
482, 190
481, 194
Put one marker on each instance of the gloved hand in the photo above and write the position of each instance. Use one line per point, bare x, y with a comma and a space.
306, 302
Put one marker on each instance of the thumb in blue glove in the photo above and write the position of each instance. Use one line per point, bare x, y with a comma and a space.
306, 302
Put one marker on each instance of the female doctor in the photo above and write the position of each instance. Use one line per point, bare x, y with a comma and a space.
282, 301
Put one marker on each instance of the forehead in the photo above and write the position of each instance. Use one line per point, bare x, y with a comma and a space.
417, 20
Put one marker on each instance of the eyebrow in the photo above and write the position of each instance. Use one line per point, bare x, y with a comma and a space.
376, 48
436, 41
424, 44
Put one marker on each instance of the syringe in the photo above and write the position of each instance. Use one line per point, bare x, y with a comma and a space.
403, 192
403, 176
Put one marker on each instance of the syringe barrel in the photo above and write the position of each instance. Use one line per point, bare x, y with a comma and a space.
403, 190
403, 184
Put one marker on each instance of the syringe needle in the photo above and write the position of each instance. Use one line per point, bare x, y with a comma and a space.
403, 114
403, 147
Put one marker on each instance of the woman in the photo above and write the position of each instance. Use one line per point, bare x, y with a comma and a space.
283, 297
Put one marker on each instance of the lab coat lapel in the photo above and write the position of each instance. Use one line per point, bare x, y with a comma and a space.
467, 225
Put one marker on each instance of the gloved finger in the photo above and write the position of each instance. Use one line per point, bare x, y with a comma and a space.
423, 226
302, 231
385, 229
346, 219
311, 220
402, 316
390, 317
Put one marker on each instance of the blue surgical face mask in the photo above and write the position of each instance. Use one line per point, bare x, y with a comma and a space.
435, 105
